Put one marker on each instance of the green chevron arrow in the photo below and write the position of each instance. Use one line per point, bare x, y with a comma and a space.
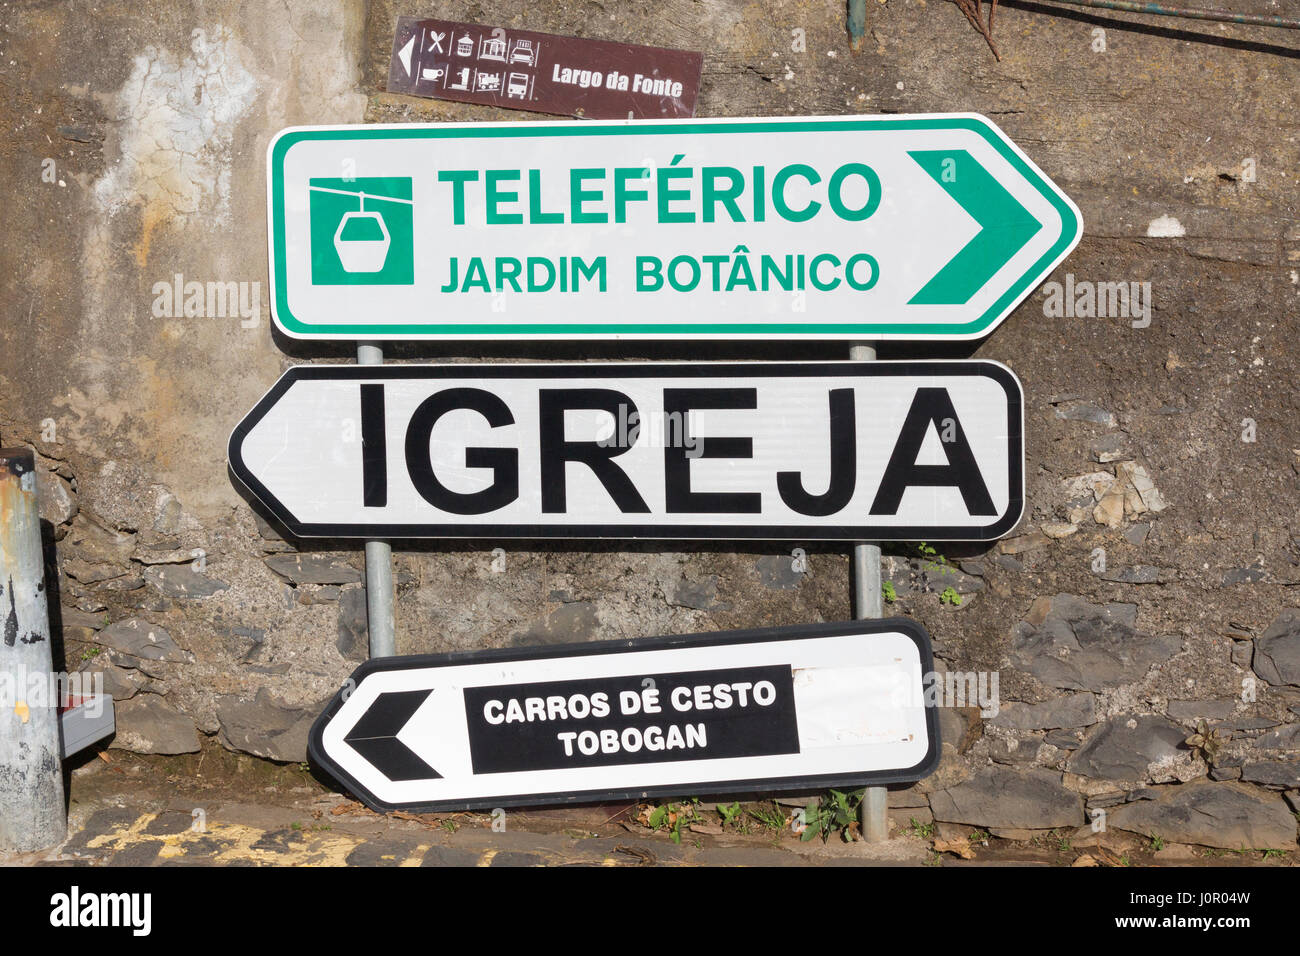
1005, 226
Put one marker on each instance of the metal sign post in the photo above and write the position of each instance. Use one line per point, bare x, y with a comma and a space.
32, 813
867, 606
380, 623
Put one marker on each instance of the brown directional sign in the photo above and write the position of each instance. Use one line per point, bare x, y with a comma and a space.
542, 72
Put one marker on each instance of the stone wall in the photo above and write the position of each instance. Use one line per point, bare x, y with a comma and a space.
1152, 585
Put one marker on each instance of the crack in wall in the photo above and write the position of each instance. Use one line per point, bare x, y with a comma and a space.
177, 117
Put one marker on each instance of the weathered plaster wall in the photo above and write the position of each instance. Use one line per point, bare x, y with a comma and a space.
136, 153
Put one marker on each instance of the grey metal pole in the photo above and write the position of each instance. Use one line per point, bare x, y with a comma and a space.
379, 561
867, 606
857, 23
32, 812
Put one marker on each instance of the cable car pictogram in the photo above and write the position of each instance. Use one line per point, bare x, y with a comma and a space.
362, 238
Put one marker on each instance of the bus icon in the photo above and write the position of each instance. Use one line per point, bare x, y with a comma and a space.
518, 86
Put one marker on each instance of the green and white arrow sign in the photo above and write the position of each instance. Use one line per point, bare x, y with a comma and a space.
863, 227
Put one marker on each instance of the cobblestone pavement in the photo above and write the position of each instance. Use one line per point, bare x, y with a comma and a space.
218, 808
242, 834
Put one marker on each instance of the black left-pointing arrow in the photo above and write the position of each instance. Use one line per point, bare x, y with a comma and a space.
375, 736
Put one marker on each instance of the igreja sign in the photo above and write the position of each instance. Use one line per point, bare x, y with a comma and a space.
743, 450
906, 227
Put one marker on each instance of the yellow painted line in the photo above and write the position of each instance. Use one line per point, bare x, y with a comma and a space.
314, 850
417, 856
121, 838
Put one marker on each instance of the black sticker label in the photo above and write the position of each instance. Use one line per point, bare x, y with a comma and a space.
644, 718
